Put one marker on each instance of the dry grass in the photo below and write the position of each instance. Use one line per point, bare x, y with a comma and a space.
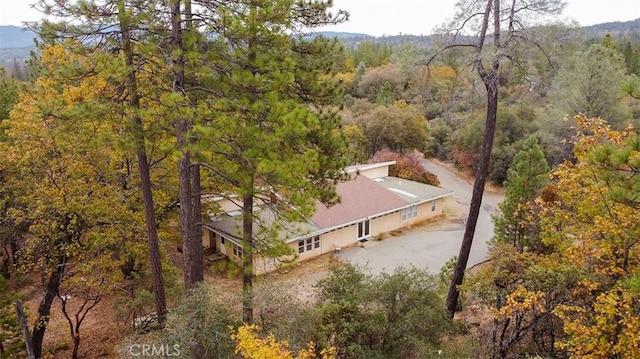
98, 332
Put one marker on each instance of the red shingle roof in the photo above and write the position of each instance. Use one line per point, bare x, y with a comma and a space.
361, 198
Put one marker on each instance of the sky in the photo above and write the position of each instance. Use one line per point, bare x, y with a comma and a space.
393, 17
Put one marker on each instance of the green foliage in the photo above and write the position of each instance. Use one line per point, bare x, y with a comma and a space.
440, 132
9, 89
514, 124
198, 318
70, 185
607, 42
522, 289
390, 316
398, 127
590, 83
578, 297
631, 53
446, 273
278, 135
356, 142
272, 127
384, 79
594, 225
370, 53
10, 330
385, 95
278, 311
406, 57
525, 178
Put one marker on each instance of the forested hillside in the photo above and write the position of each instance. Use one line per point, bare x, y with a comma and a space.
388, 86
129, 118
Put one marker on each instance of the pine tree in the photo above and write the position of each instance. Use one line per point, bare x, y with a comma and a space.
526, 176
119, 27
271, 130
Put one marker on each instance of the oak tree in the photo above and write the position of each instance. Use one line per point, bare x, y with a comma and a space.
594, 224
67, 190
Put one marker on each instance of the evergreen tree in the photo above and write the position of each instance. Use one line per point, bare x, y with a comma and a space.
525, 177
591, 83
271, 129
117, 26
8, 94
631, 58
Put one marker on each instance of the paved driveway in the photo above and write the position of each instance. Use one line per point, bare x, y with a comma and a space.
430, 248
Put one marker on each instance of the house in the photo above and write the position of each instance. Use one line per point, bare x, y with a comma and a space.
372, 203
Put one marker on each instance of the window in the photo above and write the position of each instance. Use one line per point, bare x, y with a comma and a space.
364, 229
308, 244
237, 250
222, 240
433, 205
411, 212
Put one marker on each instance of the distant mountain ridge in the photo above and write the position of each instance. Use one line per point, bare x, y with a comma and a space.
12, 37
16, 42
614, 28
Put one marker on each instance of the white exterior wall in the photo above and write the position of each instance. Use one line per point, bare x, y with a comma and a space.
343, 237
384, 224
206, 238
425, 212
348, 236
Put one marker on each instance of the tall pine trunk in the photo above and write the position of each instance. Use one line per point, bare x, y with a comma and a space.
152, 237
247, 256
490, 81
189, 224
196, 205
188, 175
145, 176
476, 197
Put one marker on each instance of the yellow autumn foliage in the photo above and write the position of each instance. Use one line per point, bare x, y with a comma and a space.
596, 228
249, 345
520, 301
